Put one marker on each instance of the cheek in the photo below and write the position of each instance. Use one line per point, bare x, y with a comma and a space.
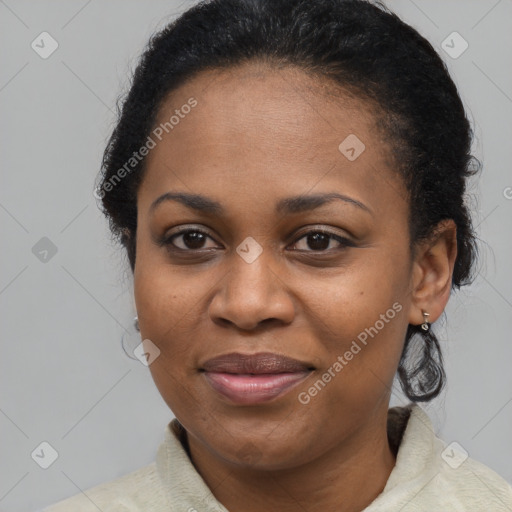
166, 300
361, 324
167, 317
354, 299
167, 303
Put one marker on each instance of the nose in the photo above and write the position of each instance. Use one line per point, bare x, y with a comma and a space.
252, 295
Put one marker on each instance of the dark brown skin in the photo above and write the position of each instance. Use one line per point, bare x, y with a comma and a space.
258, 135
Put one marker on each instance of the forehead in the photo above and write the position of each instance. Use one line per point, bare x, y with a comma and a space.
262, 129
258, 99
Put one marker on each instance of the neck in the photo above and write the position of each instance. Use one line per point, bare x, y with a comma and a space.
346, 478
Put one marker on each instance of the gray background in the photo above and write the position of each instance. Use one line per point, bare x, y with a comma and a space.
64, 377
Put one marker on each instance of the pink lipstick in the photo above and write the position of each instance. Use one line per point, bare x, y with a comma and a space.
251, 379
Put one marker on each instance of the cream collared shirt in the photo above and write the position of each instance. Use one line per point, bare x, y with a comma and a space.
428, 476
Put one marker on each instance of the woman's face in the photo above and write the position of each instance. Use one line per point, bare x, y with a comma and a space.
288, 238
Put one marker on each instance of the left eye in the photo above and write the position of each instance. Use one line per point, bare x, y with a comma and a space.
321, 241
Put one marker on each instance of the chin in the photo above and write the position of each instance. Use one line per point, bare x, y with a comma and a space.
259, 443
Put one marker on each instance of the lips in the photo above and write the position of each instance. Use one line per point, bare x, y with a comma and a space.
251, 379
258, 364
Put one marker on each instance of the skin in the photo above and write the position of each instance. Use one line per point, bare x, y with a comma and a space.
257, 135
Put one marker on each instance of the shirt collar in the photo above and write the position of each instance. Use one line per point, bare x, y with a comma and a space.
416, 449
185, 489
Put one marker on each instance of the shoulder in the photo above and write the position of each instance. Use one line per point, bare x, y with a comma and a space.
431, 474
472, 485
135, 491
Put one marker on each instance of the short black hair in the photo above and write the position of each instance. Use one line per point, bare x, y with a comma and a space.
363, 47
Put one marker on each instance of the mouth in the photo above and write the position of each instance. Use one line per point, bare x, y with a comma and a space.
252, 379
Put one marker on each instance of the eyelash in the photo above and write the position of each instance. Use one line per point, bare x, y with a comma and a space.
344, 242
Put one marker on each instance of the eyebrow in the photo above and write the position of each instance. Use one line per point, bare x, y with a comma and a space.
289, 205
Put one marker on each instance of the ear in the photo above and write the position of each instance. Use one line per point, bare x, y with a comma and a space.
432, 273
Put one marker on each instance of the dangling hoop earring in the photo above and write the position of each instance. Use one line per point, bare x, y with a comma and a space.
425, 325
127, 334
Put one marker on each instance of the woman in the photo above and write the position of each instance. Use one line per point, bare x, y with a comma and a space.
287, 178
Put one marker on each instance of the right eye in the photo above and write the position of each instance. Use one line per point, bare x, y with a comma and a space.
189, 240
